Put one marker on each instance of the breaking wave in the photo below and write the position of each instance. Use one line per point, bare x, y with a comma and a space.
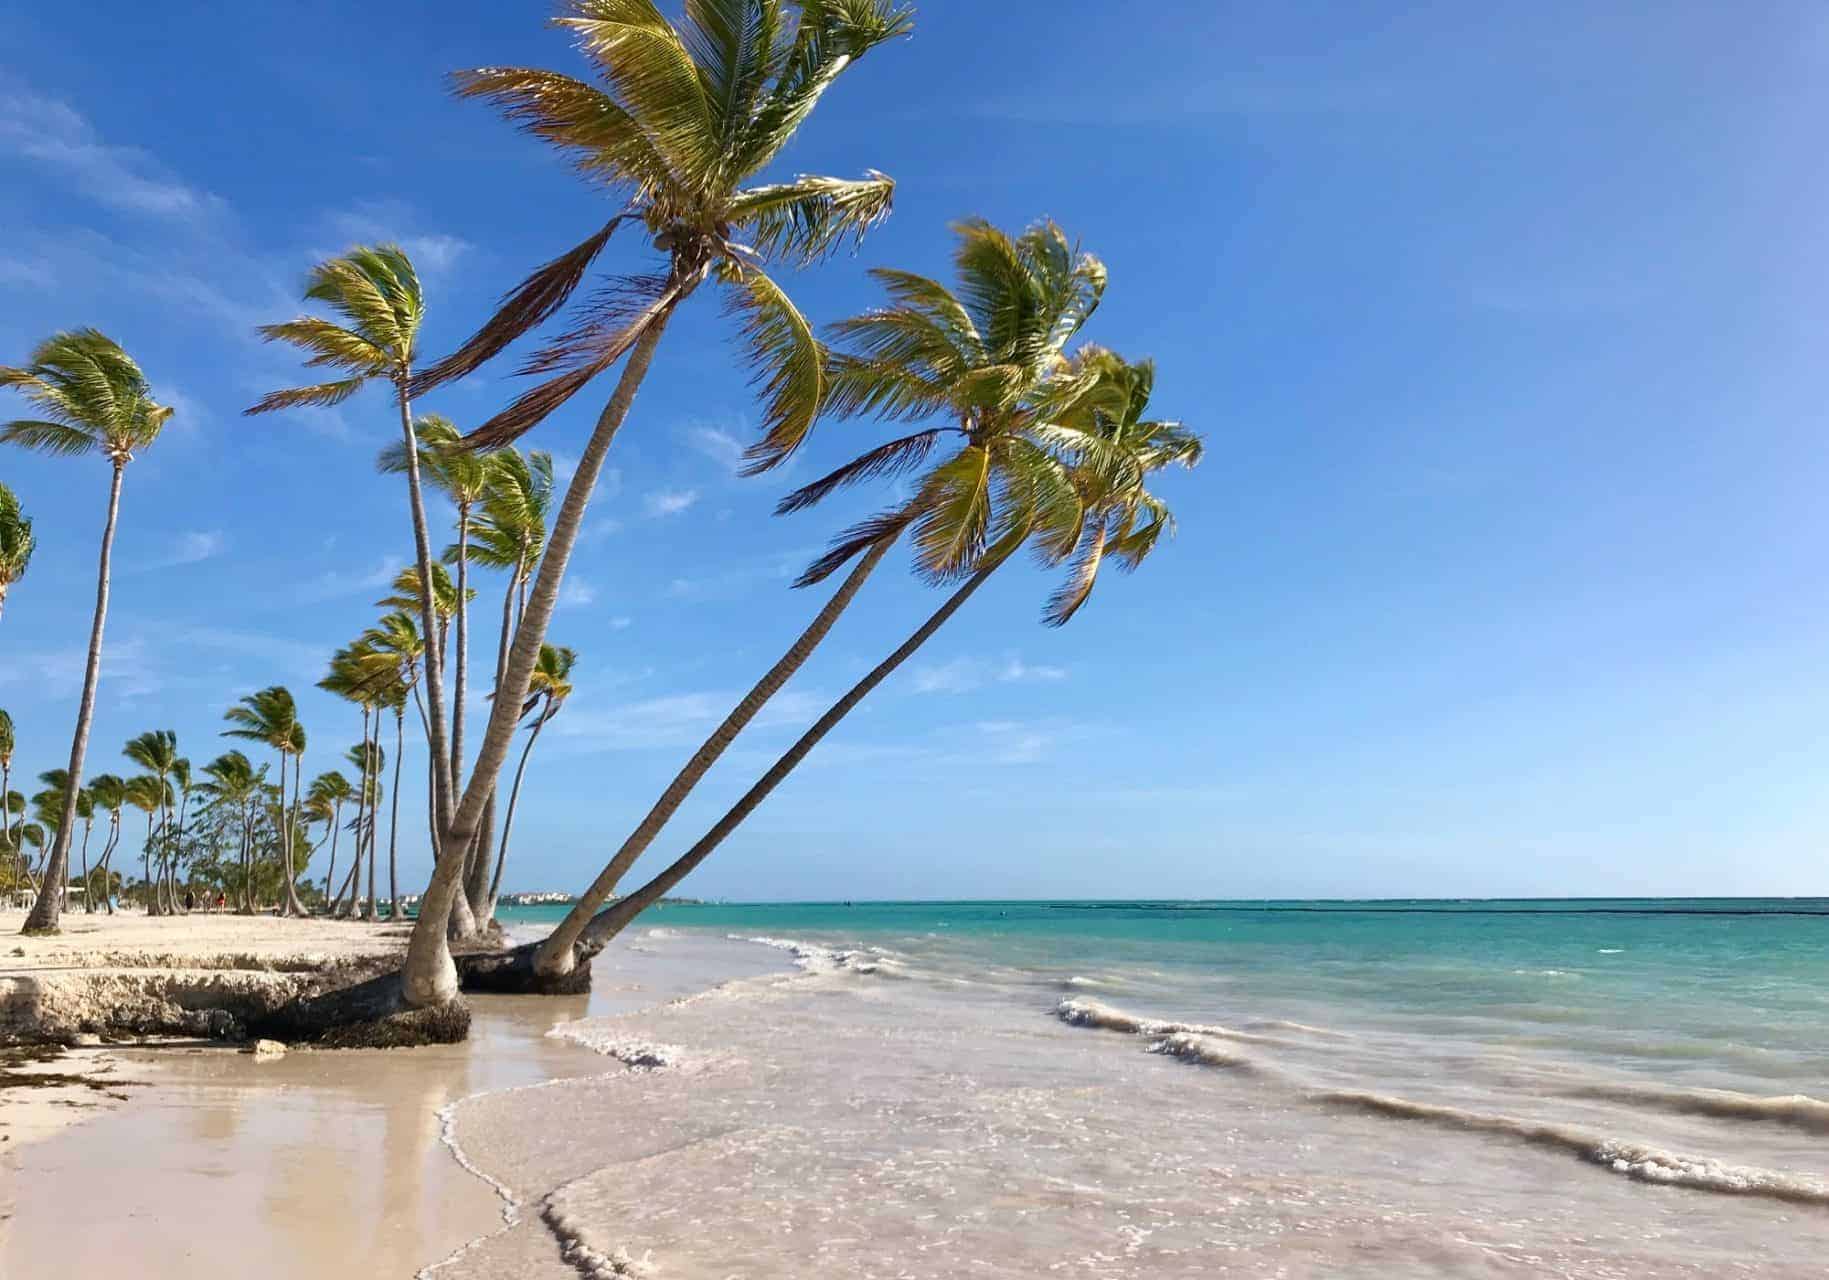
1631, 1160
1797, 1110
1093, 1013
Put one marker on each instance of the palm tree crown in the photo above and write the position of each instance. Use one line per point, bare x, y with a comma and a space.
375, 292
16, 542
92, 395
680, 119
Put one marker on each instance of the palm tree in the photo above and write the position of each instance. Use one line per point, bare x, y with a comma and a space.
181, 778
1119, 519
234, 782
329, 793
510, 536
683, 118
405, 598
150, 795
94, 400
376, 293
271, 717
396, 649
989, 364
157, 753
546, 696
6, 784
106, 792
368, 759
16, 543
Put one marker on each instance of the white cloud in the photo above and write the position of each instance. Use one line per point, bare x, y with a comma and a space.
963, 675
31, 272
576, 594
189, 548
669, 502
717, 444
333, 583
57, 136
674, 720
621, 624
382, 221
599, 531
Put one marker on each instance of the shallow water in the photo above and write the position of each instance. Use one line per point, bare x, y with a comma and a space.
1006, 1089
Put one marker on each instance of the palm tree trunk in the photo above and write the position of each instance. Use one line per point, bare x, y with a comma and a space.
477, 881
436, 743
146, 866
292, 869
393, 820
88, 889
430, 978
608, 924
461, 680
48, 907
373, 911
556, 955
330, 872
514, 795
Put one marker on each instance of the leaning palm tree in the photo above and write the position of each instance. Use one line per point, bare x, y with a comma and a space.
16, 543
552, 685
108, 793
989, 366
1118, 519
157, 752
93, 399
395, 650
682, 118
328, 794
271, 717
404, 598
509, 536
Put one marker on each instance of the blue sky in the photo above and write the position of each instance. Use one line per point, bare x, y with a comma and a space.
1502, 321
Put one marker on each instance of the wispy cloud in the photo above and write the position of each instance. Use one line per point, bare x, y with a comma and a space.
577, 593
735, 580
296, 659
188, 548
963, 675
32, 272
333, 583
715, 443
598, 531
58, 137
674, 720
669, 502
376, 221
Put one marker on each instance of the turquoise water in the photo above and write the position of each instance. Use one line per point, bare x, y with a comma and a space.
1724, 986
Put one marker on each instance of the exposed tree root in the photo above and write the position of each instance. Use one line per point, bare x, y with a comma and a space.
512, 972
370, 1015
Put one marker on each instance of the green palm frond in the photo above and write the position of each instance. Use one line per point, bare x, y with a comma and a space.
789, 364
375, 290
17, 544
805, 220
91, 394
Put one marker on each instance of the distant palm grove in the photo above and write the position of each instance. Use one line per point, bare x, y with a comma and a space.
1007, 432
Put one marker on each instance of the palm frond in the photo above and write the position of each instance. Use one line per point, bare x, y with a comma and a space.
321, 396
1077, 589
894, 458
53, 438
805, 220
331, 345
654, 77
854, 541
789, 364
604, 140
955, 515
532, 303
732, 42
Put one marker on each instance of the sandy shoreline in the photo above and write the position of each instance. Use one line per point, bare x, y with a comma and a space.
319, 1162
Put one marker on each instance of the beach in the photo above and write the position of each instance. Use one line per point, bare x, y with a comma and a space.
1112, 1090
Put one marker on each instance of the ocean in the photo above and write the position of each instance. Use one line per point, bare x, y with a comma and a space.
1129, 1089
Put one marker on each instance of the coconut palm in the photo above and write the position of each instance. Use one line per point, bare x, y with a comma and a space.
151, 796
157, 753
182, 781
510, 536
235, 783
1120, 519
682, 118
16, 543
546, 695
396, 649
328, 794
107, 793
368, 759
405, 598
989, 365
93, 399
271, 717
6, 784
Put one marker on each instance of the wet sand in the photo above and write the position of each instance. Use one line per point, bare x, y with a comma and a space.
315, 1164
